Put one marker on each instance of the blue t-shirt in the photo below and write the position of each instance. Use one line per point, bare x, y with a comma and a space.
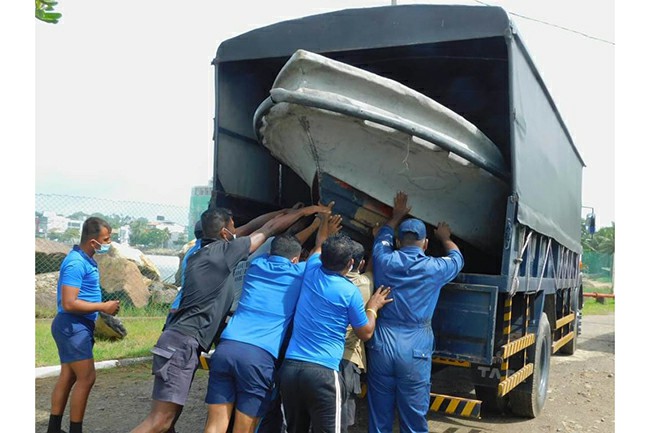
80, 271
235, 281
268, 302
415, 279
328, 303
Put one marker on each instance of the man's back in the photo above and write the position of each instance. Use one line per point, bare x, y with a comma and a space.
328, 302
204, 303
268, 302
415, 279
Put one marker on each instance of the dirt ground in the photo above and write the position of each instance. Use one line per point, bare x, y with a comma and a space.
581, 395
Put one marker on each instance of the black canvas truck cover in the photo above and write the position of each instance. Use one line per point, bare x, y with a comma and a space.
545, 166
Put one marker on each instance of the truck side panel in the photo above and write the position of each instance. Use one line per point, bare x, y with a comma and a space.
464, 322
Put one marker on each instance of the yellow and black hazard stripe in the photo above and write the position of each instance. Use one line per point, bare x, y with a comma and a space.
517, 345
455, 406
507, 329
505, 386
507, 316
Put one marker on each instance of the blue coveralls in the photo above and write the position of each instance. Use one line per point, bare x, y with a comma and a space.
399, 353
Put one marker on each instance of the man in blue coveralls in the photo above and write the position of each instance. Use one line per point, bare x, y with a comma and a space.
400, 351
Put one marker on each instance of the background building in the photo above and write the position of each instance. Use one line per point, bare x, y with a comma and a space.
199, 200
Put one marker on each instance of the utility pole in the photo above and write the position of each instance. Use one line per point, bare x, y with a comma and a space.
393, 2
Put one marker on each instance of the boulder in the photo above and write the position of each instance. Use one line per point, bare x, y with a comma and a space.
145, 265
45, 291
122, 279
163, 297
109, 327
162, 293
49, 255
181, 256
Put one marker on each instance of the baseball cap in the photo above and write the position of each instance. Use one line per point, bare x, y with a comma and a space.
412, 225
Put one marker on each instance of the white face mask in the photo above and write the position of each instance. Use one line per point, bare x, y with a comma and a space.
103, 248
234, 236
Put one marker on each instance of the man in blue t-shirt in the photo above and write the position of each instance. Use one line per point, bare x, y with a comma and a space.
78, 299
399, 353
242, 367
310, 382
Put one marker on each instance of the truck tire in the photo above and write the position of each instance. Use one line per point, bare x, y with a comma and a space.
528, 398
490, 401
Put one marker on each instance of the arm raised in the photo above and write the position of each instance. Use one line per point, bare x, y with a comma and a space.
282, 222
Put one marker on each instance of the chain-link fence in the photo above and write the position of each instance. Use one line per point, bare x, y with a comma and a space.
598, 272
142, 266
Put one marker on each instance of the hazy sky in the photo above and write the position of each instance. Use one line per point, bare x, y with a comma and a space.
131, 83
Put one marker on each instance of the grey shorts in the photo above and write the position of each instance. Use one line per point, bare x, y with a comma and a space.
175, 360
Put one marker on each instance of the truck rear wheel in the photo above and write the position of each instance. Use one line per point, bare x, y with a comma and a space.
529, 397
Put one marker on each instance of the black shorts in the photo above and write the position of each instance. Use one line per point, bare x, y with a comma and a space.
311, 394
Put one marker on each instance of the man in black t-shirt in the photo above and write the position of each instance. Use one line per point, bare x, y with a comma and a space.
205, 302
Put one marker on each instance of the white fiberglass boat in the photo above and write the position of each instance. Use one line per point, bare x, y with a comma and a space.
377, 136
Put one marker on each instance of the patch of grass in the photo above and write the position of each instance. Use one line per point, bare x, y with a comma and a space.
592, 307
159, 310
143, 332
596, 286
603, 279
126, 310
44, 312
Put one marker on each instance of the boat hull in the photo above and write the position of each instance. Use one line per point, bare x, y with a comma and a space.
360, 141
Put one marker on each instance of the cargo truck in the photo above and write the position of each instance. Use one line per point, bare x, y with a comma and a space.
519, 297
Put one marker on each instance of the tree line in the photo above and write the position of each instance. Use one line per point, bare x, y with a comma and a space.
602, 241
141, 234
